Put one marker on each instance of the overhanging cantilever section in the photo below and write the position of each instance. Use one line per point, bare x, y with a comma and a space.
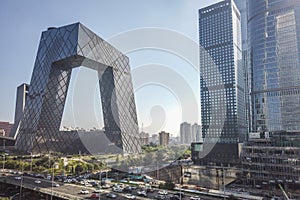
61, 50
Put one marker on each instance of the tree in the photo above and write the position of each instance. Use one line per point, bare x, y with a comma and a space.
168, 185
79, 169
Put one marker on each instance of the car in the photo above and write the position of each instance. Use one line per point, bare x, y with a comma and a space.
195, 198
55, 185
160, 197
95, 196
142, 193
127, 189
119, 185
94, 184
97, 190
39, 176
88, 185
130, 196
162, 192
179, 194
174, 197
133, 187
117, 189
37, 181
106, 186
84, 191
111, 195
149, 190
18, 178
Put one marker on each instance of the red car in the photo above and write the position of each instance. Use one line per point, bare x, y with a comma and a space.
95, 196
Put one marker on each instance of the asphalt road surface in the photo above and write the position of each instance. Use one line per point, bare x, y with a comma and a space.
74, 190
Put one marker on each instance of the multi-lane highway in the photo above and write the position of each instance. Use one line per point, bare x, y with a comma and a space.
72, 191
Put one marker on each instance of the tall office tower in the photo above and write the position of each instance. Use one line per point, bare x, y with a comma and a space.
185, 133
22, 92
242, 7
274, 42
196, 133
164, 138
222, 79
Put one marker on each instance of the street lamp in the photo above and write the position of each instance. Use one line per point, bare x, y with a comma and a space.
100, 184
3, 156
52, 179
11, 197
180, 186
22, 169
30, 162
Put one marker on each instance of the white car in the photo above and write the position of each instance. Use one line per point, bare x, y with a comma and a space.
98, 191
18, 178
142, 193
88, 185
55, 184
163, 192
37, 181
195, 198
106, 186
84, 191
117, 189
130, 196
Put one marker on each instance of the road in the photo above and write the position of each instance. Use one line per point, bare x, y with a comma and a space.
72, 191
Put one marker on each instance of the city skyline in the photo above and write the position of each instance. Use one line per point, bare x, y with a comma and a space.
181, 19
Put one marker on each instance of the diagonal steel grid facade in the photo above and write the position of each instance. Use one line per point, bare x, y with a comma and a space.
61, 50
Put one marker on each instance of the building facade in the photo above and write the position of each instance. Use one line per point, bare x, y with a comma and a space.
60, 50
222, 74
144, 138
242, 7
5, 128
274, 45
22, 93
185, 133
222, 79
164, 138
196, 133
272, 160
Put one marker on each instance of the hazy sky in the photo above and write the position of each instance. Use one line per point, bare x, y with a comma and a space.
160, 40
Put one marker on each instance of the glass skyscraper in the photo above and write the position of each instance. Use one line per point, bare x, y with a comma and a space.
242, 7
274, 42
222, 81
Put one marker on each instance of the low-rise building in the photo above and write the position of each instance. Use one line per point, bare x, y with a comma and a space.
272, 159
6, 128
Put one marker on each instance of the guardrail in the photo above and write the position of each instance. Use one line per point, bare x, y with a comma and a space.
42, 190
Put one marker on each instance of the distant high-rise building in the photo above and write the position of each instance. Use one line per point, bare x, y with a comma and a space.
242, 7
196, 133
164, 138
222, 77
22, 92
154, 139
274, 45
144, 138
185, 133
